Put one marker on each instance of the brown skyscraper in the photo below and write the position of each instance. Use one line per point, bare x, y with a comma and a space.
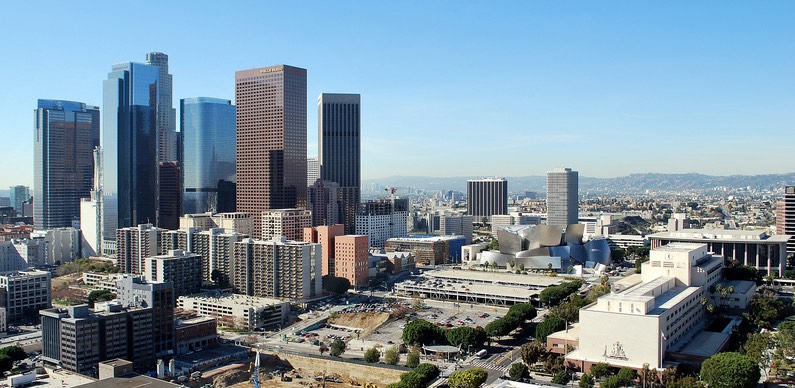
271, 139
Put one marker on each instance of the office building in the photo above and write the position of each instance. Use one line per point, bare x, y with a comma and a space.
77, 338
312, 170
289, 223
24, 293
325, 235
339, 147
91, 212
182, 269
130, 146
271, 139
62, 245
456, 224
195, 333
170, 195
166, 125
18, 196
487, 197
514, 218
66, 133
429, 250
207, 127
562, 197
351, 259
785, 217
238, 311
281, 269
159, 296
325, 203
134, 244
767, 253
383, 219
231, 222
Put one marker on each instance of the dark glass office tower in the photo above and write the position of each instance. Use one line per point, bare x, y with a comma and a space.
166, 114
271, 139
66, 133
207, 129
130, 146
169, 195
339, 143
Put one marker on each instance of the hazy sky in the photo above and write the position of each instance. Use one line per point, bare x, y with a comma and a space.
450, 88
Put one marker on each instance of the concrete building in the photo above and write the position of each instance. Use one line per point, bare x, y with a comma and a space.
383, 219
215, 246
91, 212
785, 217
351, 255
312, 170
103, 281
750, 247
19, 254
429, 250
62, 244
159, 296
281, 269
24, 293
182, 269
562, 197
499, 221
134, 244
325, 235
339, 150
624, 241
289, 223
271, 139
325, 203
487, 197
195, 333
469, 253
396, 262
456, 224
231, 222
77, 338
238, 311
662, 307
66, 133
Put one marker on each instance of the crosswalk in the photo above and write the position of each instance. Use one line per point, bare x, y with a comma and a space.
490, 365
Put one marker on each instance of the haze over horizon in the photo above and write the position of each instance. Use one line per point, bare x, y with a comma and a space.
452, 89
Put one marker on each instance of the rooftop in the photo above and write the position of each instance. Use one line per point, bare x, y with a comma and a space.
236, 299
724, 235
497, 277
425, 238
130, 382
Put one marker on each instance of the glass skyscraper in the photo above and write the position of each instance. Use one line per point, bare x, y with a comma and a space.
66, 133
207, 129
166, 114
129, 145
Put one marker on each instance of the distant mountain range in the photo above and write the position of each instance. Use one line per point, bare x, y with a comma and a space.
630, 184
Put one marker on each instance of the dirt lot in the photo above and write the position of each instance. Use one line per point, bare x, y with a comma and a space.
368, 322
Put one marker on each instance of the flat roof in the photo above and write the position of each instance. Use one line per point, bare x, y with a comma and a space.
705, 344
723, 235
130, 382
233, 299
494, 277
572, 334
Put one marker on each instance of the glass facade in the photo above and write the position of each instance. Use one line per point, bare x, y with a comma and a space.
66, 133
207, 129
130, 146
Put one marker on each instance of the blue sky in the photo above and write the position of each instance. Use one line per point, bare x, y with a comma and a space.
451, 88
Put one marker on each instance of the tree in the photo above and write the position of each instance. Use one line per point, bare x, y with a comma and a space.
417, 304
648, 376
494, 245
517, 371
757, 348
338, 347
412, 359
561, 377
600, 370
586, 381
627, 375
336, 285
764, 310
6, 363
372, 355
323, 349
465, 337
549, 326
469, 378
611, 382
99, 296
15, 353
392, 356
421, 332
532, 352
525, 311
730, 369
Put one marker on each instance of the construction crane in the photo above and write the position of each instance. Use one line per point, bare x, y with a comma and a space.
392, 190
255, 376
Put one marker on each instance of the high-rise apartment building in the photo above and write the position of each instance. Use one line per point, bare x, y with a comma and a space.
271, 139
383, 219
215, 247
289, 223
166, 114
325, 235
785, 217
169, 195
279, 269
130, 146
230, 222
339, 146
207, 127
66, 133
182, 269
18, 196
134, 244
487, 197
159, 296
562, 197
324, 201
351, 258
312, 170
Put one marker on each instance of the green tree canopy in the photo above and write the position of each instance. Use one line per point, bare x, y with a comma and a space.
421, 332
600, 370
392, 356
730, 370
525, 311
532, 352
15, 353
412, 359
561, 377
372, 355
336, 285
469, 378
465, 337
517, 371
338, 347
586, 381
548, 326
99, 296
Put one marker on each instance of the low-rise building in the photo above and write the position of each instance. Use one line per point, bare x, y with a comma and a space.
429, 250
238, 311
351, 259
24, 293
195, 333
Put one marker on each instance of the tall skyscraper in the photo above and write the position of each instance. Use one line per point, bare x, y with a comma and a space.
19, 195
63, 163
169, 195
129, 146
339, 143
166, 114
312, 170
785, 217
487, 197
207, 128
562, 197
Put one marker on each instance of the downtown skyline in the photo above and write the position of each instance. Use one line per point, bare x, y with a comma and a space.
462, 90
